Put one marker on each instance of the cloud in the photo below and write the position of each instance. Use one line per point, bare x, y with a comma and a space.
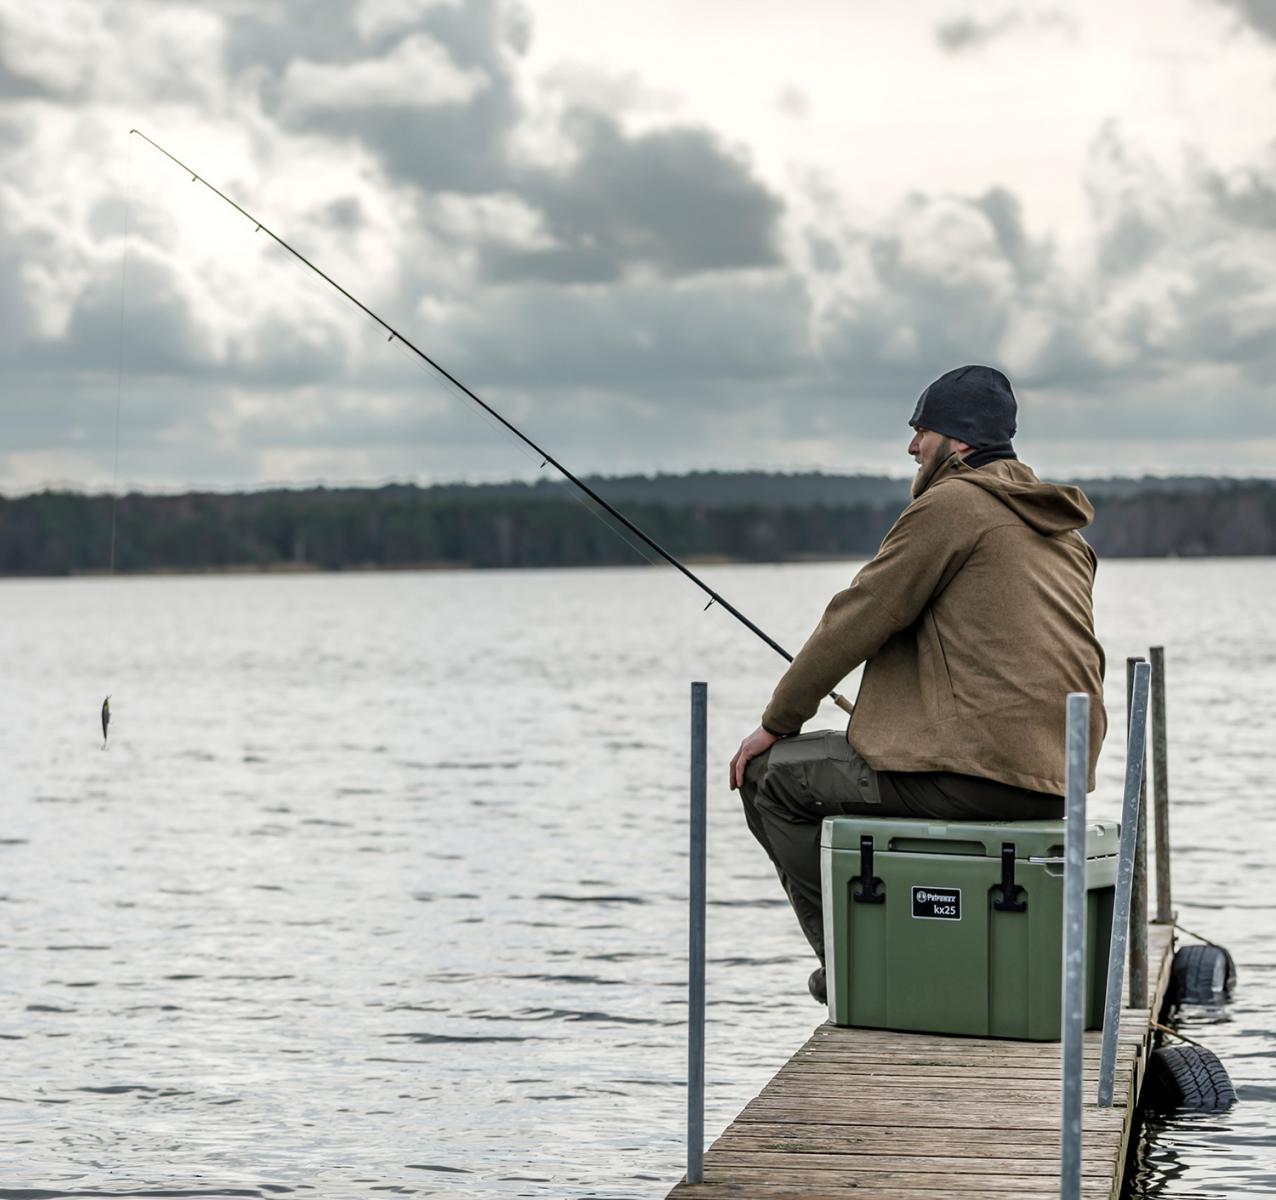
794, 103
1260, 15
47, 47
376, 18
1184, 273
76, 51
163, 329
929, 285
672, 200
17, 320
641, 337
966, 32
1245, 196
1005, 214
1129, 199
460, 145
442, 108
417, 73
1173, 287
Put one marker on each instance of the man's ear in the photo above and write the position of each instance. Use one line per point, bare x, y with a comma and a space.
961, 448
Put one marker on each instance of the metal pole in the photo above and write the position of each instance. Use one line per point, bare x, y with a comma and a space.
1074, 911
1134, 757
1139, 887
695, 953
1161, 788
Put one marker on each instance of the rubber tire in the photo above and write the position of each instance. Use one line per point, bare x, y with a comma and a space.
1187, 1078
1201, 975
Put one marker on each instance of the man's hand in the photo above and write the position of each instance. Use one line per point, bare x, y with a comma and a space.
758, 742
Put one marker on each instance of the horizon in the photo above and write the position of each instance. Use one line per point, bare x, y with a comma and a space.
62, 488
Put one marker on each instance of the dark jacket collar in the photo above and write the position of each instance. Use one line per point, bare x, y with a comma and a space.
982, 457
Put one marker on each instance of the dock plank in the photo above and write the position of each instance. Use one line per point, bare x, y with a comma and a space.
1016, 1167
876, 1139
874, 1113
748, 1190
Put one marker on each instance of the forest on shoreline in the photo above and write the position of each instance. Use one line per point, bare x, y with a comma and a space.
704, 516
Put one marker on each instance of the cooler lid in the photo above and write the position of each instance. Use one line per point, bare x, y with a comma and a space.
908, 835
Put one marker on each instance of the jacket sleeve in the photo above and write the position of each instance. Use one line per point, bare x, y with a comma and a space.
919, 555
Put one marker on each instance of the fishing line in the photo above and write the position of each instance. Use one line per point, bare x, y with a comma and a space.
546, 457
119, 392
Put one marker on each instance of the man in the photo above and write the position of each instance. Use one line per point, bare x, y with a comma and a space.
974, 621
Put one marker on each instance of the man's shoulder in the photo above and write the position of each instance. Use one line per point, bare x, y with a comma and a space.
949, 498
943, 518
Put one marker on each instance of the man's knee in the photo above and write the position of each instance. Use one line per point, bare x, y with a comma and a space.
754, 771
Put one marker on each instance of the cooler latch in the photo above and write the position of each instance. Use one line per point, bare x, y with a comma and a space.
1008, 900
870, 889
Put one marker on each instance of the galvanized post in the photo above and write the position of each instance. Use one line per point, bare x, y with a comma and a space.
1136, 744
1161, 789
696, 939
1139, 886
1077, 772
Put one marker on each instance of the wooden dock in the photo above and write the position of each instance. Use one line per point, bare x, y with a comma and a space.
881, 1115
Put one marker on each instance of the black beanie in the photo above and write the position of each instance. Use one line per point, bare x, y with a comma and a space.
972, 404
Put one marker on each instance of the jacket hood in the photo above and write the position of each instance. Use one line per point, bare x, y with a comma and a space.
1048, 508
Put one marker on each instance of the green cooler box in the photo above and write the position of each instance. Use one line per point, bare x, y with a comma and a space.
957, 927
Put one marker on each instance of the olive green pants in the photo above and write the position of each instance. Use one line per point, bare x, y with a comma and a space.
789, 790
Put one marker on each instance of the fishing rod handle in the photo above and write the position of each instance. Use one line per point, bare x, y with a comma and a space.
843, 703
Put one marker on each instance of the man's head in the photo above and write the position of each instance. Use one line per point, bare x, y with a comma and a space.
971, 408
974, 405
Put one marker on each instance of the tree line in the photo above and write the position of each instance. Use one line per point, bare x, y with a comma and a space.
523, 525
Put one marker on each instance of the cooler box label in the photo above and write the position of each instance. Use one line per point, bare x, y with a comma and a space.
937, 904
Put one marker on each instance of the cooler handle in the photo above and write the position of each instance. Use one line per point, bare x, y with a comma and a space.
870, 890
1008, 899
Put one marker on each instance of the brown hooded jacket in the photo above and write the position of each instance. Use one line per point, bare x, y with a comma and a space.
975, 620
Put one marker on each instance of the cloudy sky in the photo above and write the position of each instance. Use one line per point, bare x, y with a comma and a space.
675, 235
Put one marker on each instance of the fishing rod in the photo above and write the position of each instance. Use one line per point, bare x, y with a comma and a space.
546, 457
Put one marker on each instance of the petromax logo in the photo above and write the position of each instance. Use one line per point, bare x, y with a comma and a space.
937, 904
924, 897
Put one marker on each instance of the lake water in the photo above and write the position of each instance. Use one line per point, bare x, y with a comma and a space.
381, 884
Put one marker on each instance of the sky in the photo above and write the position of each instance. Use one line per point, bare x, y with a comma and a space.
720, 234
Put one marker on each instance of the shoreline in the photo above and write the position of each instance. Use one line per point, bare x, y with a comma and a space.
698, 560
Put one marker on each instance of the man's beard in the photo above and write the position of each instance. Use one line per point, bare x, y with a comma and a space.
927, 468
